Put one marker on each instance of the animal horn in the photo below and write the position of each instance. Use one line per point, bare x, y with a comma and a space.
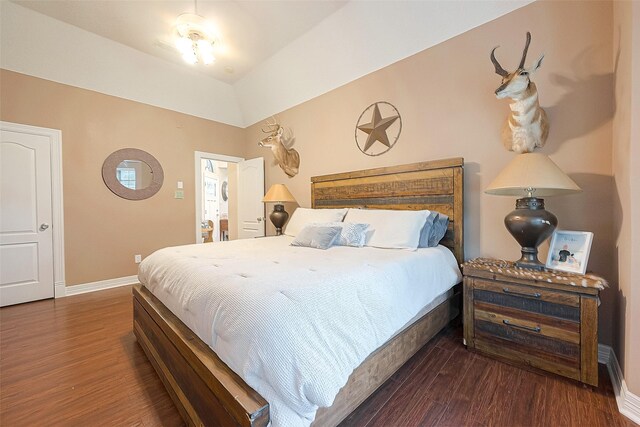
274, 123
271, 127
499, 70
524, 53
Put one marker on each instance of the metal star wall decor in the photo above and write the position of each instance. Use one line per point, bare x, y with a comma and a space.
378, 129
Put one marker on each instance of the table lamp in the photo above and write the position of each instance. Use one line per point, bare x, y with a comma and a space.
278, 194
531, 175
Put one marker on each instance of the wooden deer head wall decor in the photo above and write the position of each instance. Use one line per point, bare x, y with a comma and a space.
288, 158
526, 127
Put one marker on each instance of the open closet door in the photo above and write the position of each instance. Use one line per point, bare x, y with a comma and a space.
250, 193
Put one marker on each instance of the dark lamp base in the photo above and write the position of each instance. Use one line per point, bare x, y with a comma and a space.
530, 224
529, 260
278, 218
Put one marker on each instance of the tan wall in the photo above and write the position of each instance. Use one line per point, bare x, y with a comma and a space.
102, 231
626, 162
445, 97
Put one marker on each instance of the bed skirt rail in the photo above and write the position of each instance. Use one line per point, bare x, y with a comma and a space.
204, 389
380, 365
208, 393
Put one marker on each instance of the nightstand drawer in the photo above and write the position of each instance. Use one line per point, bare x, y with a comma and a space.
534, 293
540, 341
534, 304
530, 342
527, 356
560, 329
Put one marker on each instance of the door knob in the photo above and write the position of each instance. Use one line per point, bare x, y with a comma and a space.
44, 226
259, 219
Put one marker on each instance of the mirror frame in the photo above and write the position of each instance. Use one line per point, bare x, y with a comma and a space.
224, 190
109, 174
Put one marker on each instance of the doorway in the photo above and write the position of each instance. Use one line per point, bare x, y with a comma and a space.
215, 203
229, 193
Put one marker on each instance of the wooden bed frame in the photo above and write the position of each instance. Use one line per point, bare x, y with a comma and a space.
207, 392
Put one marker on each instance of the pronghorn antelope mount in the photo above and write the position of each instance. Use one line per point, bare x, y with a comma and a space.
526, 127
288, 158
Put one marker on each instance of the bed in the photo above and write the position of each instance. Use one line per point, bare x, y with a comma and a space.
207, 392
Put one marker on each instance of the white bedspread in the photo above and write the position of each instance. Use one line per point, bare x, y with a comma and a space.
294, 322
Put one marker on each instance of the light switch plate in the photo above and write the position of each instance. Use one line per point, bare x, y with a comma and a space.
179, 194
180, 185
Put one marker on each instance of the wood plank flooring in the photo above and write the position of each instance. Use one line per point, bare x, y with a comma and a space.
75, 362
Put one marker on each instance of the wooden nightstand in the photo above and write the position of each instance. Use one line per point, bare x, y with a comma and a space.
542, 319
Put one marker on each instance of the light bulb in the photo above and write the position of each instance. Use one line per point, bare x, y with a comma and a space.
190, 56
205, 50
204, 46
207, 58
184, 45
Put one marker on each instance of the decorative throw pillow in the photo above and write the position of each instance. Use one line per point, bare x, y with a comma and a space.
317, 236
438, 230
305, 216
351, 234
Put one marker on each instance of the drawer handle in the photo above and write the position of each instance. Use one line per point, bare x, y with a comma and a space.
524, 294
526, 328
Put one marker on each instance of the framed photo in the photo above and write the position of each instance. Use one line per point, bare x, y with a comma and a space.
569, 251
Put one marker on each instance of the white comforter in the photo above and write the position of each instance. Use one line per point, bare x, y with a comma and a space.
294, 322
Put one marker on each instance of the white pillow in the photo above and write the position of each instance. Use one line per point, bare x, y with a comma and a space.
391, 228
305, 216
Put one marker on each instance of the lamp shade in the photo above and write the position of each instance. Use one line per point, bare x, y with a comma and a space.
278, 193
532, 174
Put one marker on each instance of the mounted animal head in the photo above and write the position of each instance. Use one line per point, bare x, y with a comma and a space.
516, 82
288, 158
274, 131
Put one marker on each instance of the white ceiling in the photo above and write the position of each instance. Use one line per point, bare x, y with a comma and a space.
249, 31
283, 52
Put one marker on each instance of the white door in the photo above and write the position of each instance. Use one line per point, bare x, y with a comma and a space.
250, 194
26, 240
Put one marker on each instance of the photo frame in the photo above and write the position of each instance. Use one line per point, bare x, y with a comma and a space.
569, 251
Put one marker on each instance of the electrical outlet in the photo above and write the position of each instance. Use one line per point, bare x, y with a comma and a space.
137, 259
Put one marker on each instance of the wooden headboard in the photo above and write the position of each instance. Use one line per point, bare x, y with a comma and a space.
435, 185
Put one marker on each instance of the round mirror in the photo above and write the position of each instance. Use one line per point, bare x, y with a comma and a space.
132, 174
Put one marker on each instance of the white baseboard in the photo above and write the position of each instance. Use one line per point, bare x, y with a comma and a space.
628, 403
99, 286
59, 290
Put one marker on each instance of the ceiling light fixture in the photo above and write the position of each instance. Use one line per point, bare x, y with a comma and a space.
196, 40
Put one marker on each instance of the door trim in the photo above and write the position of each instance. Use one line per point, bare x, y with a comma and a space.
199, 155
55, 139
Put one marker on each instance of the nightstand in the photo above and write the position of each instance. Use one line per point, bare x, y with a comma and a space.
542, 319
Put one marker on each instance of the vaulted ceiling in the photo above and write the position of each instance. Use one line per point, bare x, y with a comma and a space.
249, 31
272, 55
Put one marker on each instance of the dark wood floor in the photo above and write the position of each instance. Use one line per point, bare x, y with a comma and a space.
74, 361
